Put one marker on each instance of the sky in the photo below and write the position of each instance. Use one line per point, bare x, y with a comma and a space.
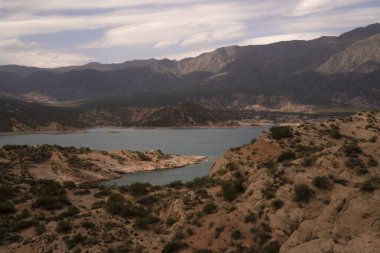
53, 33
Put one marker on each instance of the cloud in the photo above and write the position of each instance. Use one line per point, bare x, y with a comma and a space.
31, 54
146, 28
165, 43
194, 25
306, 7
338, 20
280, 37
230, 32
39, 5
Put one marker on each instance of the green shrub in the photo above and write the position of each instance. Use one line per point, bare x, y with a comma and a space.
280, 132
232, 166
202, 251
63, 227
236, 234
357, 164
351, 149
230, 190
24, 224
7, 192
71, 211
322, 182
7, 207
200, 182
373, 139
367, 186
270, 165
102, 193
372, 162
51, 202
139, 189
40, 229
210, 208
308, 161
272, 247
277, 204
175, 184
174, 246
286, 156
145, 222
250, 217
147, 200
334, 132
76, 239
116, 205
370, 185
88, 225
303, 193
82, 192
98, 204
170, 221
69, 185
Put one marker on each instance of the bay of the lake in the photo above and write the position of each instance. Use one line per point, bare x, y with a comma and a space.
210, 142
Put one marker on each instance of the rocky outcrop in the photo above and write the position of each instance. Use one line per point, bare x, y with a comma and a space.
340, 214
85, 165
362, 56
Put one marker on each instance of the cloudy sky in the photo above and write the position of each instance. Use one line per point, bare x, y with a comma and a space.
51, 33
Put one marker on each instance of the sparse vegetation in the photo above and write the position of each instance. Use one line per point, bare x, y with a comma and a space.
174, 246
63, 227
210, 208
250, 217
308, 161
139, 189
303, 193
7, 207
231, 189
351, 149
370, 185
277, 204
286, 156
334, 132
281, 132
322, 182
236, 234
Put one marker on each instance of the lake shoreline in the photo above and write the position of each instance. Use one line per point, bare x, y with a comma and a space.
207, 142
86, 130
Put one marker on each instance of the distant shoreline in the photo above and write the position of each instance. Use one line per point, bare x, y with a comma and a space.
84, 130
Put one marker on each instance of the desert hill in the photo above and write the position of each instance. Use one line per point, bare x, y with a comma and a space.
308, 188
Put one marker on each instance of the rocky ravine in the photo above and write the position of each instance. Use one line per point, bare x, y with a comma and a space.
308, 188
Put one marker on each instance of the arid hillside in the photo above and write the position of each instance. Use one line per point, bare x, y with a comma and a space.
308, 188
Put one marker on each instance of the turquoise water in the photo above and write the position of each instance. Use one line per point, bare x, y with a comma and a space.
208, 142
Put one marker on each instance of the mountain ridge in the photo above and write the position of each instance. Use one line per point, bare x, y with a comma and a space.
274, 69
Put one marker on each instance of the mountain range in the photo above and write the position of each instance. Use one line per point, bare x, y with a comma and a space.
340, 70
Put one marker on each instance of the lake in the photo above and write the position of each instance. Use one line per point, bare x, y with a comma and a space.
210, 142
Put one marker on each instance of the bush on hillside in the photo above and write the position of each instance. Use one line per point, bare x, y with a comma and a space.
303, 193
280, 132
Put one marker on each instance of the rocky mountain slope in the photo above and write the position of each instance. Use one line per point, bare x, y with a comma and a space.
362, 56
184, 114
284, 69
21, 116
307, 188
